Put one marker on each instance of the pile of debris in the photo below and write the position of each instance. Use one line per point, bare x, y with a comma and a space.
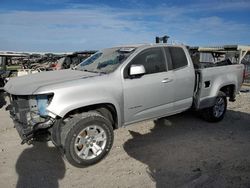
18, 64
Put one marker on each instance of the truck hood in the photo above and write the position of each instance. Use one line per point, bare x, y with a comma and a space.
27, 85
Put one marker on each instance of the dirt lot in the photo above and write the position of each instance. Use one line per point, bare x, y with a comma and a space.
180, 151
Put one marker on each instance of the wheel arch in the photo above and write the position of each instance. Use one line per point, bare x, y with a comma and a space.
229, 90
102, 108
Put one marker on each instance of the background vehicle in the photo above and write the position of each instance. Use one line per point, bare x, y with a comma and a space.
79, 109
14, 64
222, 55
7, 69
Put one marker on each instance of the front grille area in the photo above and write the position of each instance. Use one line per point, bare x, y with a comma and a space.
26, 117
20, 108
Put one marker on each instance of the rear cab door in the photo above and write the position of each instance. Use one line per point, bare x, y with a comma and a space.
184, 74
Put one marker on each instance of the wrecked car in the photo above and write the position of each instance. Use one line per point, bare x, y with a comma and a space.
78, 110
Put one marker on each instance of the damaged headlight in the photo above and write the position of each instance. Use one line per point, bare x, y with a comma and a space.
42, 104
30, 109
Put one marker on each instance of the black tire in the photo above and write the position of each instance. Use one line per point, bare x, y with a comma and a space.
84, 122
210, 114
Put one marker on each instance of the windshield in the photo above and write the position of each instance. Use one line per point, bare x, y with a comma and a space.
106, 61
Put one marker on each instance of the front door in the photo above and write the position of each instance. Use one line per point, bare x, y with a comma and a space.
151, 95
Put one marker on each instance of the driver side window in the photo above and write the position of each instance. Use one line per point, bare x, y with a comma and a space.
152, 59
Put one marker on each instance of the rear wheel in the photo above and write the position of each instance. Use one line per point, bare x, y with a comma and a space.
216, 113
89, 139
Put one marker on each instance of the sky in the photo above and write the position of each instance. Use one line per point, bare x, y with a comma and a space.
65, 26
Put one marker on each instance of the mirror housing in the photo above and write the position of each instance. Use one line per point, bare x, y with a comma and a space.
137, 70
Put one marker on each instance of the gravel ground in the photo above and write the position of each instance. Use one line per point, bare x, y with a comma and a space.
180, 151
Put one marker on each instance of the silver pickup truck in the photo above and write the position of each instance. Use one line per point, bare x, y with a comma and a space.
79, 109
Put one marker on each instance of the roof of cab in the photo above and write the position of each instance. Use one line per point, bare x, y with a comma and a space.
147, 45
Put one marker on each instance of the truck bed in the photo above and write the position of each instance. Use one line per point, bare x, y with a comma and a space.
202, 65
210, 80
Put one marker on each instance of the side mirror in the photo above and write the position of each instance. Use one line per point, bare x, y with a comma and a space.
137, 70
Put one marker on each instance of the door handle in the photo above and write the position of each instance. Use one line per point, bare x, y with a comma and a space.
166, 80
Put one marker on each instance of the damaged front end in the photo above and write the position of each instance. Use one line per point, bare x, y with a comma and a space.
30, 116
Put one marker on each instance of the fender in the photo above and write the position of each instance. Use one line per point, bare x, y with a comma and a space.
57, 108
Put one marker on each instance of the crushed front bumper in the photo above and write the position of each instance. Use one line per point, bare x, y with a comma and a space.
28, 120
25, 132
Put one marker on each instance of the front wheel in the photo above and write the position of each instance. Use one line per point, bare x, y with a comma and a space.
216, 113
89, 140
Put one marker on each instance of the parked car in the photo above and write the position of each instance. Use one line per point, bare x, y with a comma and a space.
79, 109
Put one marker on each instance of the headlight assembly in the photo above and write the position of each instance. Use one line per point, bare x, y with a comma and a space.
42, 103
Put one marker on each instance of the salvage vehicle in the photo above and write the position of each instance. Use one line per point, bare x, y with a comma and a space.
79, 109
23, 72
6, 68
71, 60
